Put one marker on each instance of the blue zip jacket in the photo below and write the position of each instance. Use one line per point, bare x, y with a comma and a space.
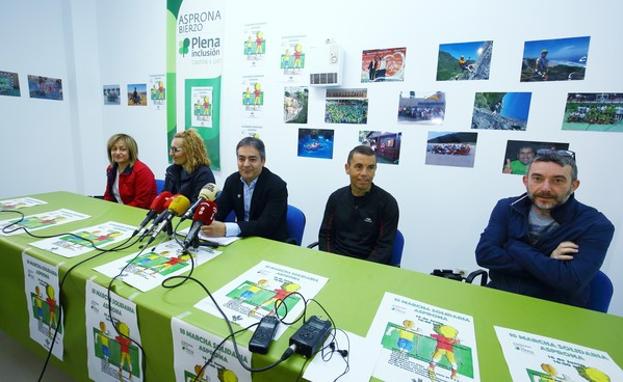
517, 266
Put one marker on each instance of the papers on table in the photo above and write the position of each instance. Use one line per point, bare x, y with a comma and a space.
252, 295
223, 241
534, 358
43, 302
112, 356
40, 221
148, 270
422, 340
19, 203
192, 347
72, 245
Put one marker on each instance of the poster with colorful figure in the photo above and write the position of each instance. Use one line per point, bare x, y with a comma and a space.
534, 358
423, 342
252, 295
19, 203
113, 353
157, 91
252, 97
45, 87
254, 46
112, 94
380, 65
43, 303
201, 98
75, 245
9, 84
148, 270
250, 131
292, 59
40, 221
427, 108
193, 347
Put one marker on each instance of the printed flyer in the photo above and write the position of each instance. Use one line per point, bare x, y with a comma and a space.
193, 347
40, 221
252, 295
112, 354
75, 245
254, 45
534, 358
43, 302
19, 203
423, 342
148, 270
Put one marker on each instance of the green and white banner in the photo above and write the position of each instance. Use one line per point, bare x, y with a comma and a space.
195, 30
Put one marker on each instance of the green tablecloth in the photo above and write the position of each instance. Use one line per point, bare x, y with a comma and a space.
352, 294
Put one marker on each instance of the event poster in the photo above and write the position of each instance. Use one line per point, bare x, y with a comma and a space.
252, 295
423, 341
112, 355
40, 221
75, 245
157, 91
383, 65
254, 50
43, 303
19, 203
195, 47
9, 84
252, 97
151, 267
193, 347
292, 59
534, 358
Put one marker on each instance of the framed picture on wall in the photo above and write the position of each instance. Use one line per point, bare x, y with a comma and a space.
445, 148
137, 94
386, 145
9, 84
519, 154
45, 87
423, 108
594, 112
501, 111
381, 65
315, 143
464, 61
562, 59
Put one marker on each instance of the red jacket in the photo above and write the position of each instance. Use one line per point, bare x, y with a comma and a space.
137, 185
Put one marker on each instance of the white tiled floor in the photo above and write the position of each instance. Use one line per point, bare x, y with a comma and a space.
19, 364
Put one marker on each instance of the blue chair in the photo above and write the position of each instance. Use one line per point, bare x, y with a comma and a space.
399, 243
159, 186
601, 293
295, 221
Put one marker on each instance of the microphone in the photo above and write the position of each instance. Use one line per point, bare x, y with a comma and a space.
204, 215
179, 205
209, 192
161, 215
156, 207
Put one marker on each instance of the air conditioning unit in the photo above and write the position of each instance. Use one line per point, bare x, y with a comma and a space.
326, 65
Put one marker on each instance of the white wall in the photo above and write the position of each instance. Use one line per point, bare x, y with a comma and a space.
443, 209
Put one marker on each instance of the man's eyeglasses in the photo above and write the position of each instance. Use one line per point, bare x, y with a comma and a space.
175, 149
562, 153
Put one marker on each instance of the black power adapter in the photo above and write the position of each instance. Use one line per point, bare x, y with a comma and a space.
310, 337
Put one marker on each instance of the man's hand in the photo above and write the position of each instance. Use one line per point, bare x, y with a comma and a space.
216, 229
564, 251
507, 167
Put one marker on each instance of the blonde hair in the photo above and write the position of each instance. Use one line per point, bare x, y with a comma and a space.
195, 150
128, 141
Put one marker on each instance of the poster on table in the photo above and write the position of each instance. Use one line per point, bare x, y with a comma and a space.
137, 94
19, 203
40, 221
501, 111
157, 91
45, 87
252, 295
464, 61
560, 59
380, 65
385, 144
9, 84
295, 101
254, 46
423, 342
594, 112
252, 97
112, 354
112, 94
43, 303
534, 358
292, 59
195, 31
193, 347
83, 240
427, 108
446, 148
150, 268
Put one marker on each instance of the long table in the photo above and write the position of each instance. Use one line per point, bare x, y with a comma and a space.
352, 294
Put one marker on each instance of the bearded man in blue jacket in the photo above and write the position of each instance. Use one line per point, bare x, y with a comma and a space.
545, 243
